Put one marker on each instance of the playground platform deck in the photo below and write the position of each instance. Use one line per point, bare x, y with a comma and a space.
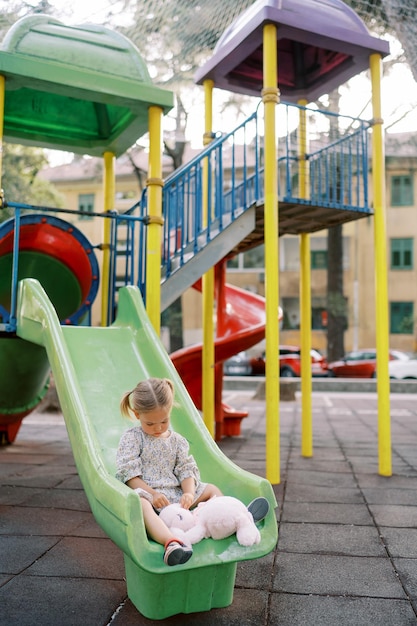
347, 548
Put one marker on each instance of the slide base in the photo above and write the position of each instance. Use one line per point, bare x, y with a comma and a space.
158, 596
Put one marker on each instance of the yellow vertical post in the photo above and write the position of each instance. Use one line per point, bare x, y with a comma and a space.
305, 298
270, 97
381, 282
154, 183
2, 98
208, 356
109, 190
306, 381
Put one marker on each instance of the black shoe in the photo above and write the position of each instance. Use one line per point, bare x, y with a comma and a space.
177, 553
259, 508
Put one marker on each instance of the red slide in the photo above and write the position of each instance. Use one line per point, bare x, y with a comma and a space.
60, 257
240, 325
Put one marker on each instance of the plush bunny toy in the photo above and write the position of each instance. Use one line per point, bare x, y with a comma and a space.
178, 520
218, 518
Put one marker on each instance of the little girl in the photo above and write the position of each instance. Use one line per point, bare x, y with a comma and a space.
155, 462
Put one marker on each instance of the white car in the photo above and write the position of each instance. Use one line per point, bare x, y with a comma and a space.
402, 370
237, 365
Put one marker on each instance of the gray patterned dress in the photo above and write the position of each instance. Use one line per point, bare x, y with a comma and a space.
161, 462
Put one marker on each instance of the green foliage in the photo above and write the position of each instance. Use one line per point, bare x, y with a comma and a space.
12, 10
372, 12
407, 325
9, 13
20, 167
175, 36
336, 304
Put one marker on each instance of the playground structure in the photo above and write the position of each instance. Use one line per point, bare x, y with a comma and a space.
60, 253
200, 230
321, 46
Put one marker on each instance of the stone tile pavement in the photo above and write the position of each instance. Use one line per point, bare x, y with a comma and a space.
347, 547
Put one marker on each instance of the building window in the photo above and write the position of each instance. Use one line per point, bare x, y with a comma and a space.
318, 318
402, 318
402, 191
86, 205
291, 311
254, 259
289, 253
251, 260
402, 254
233, 263
319, 259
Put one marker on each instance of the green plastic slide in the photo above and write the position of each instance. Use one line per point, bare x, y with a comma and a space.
92, 368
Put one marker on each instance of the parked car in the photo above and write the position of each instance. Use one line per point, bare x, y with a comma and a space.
361, 363
238, 365
290, 363
403, 369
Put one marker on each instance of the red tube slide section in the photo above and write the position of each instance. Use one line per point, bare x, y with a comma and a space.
242, 315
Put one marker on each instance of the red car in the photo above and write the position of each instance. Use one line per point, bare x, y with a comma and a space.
290, 363
360, 363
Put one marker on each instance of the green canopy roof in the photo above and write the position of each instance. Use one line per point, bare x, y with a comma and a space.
85, 89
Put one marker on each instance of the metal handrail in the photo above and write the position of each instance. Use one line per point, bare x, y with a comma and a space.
341, 163
337, 174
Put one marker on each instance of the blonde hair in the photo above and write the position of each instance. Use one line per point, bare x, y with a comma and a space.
148, 395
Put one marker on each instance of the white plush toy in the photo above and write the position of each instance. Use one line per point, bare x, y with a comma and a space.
218, 518
178, 520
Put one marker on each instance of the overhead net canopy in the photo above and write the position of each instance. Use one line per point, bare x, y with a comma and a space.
181, 32
193, 27
399, 17
185, 32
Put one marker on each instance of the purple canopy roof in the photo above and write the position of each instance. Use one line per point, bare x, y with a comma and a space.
321, 44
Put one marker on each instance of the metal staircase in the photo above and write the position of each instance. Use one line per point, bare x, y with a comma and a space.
334, 166
213, 206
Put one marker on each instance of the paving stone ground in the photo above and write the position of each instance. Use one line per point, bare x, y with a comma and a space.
347, 547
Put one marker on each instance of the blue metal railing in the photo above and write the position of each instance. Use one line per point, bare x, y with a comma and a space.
336, 165
10, 321
186, 229
125, 267
336, 168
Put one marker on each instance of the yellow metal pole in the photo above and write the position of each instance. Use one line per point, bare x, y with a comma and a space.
208, 356
2, 98
154, 238
305, 299
270, 97
109, 190
306, 382
381, 282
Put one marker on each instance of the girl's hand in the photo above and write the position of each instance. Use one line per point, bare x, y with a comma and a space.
186, 500
159, 500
